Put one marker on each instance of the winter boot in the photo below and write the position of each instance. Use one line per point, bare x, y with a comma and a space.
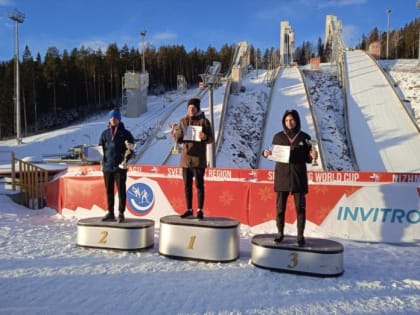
187, 214
279, 237
300, 240
120, 218
109, 216
200, 214
301, 220
280, 228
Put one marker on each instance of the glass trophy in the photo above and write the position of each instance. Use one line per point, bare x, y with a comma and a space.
175, 148
313, 144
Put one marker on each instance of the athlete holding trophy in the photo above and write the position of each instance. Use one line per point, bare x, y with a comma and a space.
117, 145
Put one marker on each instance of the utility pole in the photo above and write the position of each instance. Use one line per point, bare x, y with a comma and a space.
18, 17
388, 11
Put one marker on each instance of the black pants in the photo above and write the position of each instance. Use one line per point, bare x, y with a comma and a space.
119, 179
187, 175
300, 205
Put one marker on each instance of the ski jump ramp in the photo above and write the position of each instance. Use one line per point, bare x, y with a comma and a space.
288, 93
384, 137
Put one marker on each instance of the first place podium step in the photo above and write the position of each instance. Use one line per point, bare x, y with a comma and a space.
132, 234
213, 239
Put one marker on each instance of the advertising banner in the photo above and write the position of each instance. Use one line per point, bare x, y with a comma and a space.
364, 206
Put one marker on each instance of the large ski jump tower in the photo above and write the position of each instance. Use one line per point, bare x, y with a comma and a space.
241, 61
287, 43
334, 40
135, 86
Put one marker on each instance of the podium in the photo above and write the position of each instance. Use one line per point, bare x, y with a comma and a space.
213, 239
132, 234
318, 257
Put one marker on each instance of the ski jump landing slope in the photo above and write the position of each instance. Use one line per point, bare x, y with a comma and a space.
384, 137
288, 93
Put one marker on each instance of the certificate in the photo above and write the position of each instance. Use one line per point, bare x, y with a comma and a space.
192, 133
280, 153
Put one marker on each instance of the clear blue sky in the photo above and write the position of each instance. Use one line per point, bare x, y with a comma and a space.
68, 24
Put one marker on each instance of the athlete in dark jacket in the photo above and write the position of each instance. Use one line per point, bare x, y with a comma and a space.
291, 177
194, 154
113, 142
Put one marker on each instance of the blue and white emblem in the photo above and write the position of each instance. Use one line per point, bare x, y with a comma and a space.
140, 199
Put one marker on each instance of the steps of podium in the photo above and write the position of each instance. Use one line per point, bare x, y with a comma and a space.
211, 239
132, 234
214, 239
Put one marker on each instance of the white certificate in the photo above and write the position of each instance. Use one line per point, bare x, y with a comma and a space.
280, 153
192, 133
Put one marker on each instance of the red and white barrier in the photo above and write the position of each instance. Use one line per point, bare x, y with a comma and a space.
365, 206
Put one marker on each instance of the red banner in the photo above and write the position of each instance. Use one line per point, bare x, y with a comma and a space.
360, 205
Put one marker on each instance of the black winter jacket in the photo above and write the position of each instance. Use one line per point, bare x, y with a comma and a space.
114, 148
292, 176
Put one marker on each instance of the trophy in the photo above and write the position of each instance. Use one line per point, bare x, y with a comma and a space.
127, 154
313, 144
175, 148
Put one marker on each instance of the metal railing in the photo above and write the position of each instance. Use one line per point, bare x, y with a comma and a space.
344, 72
31, 181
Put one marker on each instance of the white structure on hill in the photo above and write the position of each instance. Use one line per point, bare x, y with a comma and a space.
241, 61
181, 83
135, 85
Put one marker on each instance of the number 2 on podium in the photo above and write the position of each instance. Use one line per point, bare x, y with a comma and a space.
104, 235
191, 242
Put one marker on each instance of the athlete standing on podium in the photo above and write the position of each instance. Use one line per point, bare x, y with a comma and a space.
194, 132
291, 177
114, 141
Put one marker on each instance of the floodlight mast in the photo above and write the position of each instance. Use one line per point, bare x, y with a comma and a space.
210, 79
209, 83
18, 17
143, 66
388, 12
418, 7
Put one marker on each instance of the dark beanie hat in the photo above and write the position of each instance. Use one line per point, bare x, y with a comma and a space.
115, 113
195, 102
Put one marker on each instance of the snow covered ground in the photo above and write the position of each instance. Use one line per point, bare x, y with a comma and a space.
42, 271
404, 73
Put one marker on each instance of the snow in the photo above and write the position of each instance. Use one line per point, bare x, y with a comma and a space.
383, 135
42, 270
